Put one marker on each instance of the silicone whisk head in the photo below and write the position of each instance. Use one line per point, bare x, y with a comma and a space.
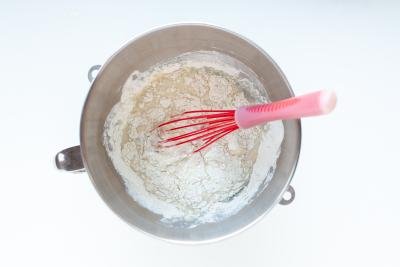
202, 127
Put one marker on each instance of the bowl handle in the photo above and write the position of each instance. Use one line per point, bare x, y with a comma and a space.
70, 160
288, 200
93, 69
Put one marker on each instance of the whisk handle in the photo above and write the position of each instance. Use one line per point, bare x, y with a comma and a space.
313, 104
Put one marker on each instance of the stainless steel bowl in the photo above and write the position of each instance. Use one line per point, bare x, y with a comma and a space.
139, 54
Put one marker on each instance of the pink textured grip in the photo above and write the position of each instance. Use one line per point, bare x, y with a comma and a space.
313, 104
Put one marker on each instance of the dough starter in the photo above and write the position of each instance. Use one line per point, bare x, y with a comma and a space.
175, 183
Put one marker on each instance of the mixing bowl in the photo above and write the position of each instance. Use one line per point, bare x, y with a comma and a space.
105, 91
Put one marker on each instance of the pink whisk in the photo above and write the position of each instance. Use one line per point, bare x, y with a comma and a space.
208, 126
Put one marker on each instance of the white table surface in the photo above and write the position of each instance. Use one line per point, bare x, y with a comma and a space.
347, 207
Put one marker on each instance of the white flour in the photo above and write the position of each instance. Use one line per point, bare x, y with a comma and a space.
194, 188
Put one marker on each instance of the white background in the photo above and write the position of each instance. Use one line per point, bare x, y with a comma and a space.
347, 208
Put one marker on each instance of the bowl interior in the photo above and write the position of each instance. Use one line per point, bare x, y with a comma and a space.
140, 54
